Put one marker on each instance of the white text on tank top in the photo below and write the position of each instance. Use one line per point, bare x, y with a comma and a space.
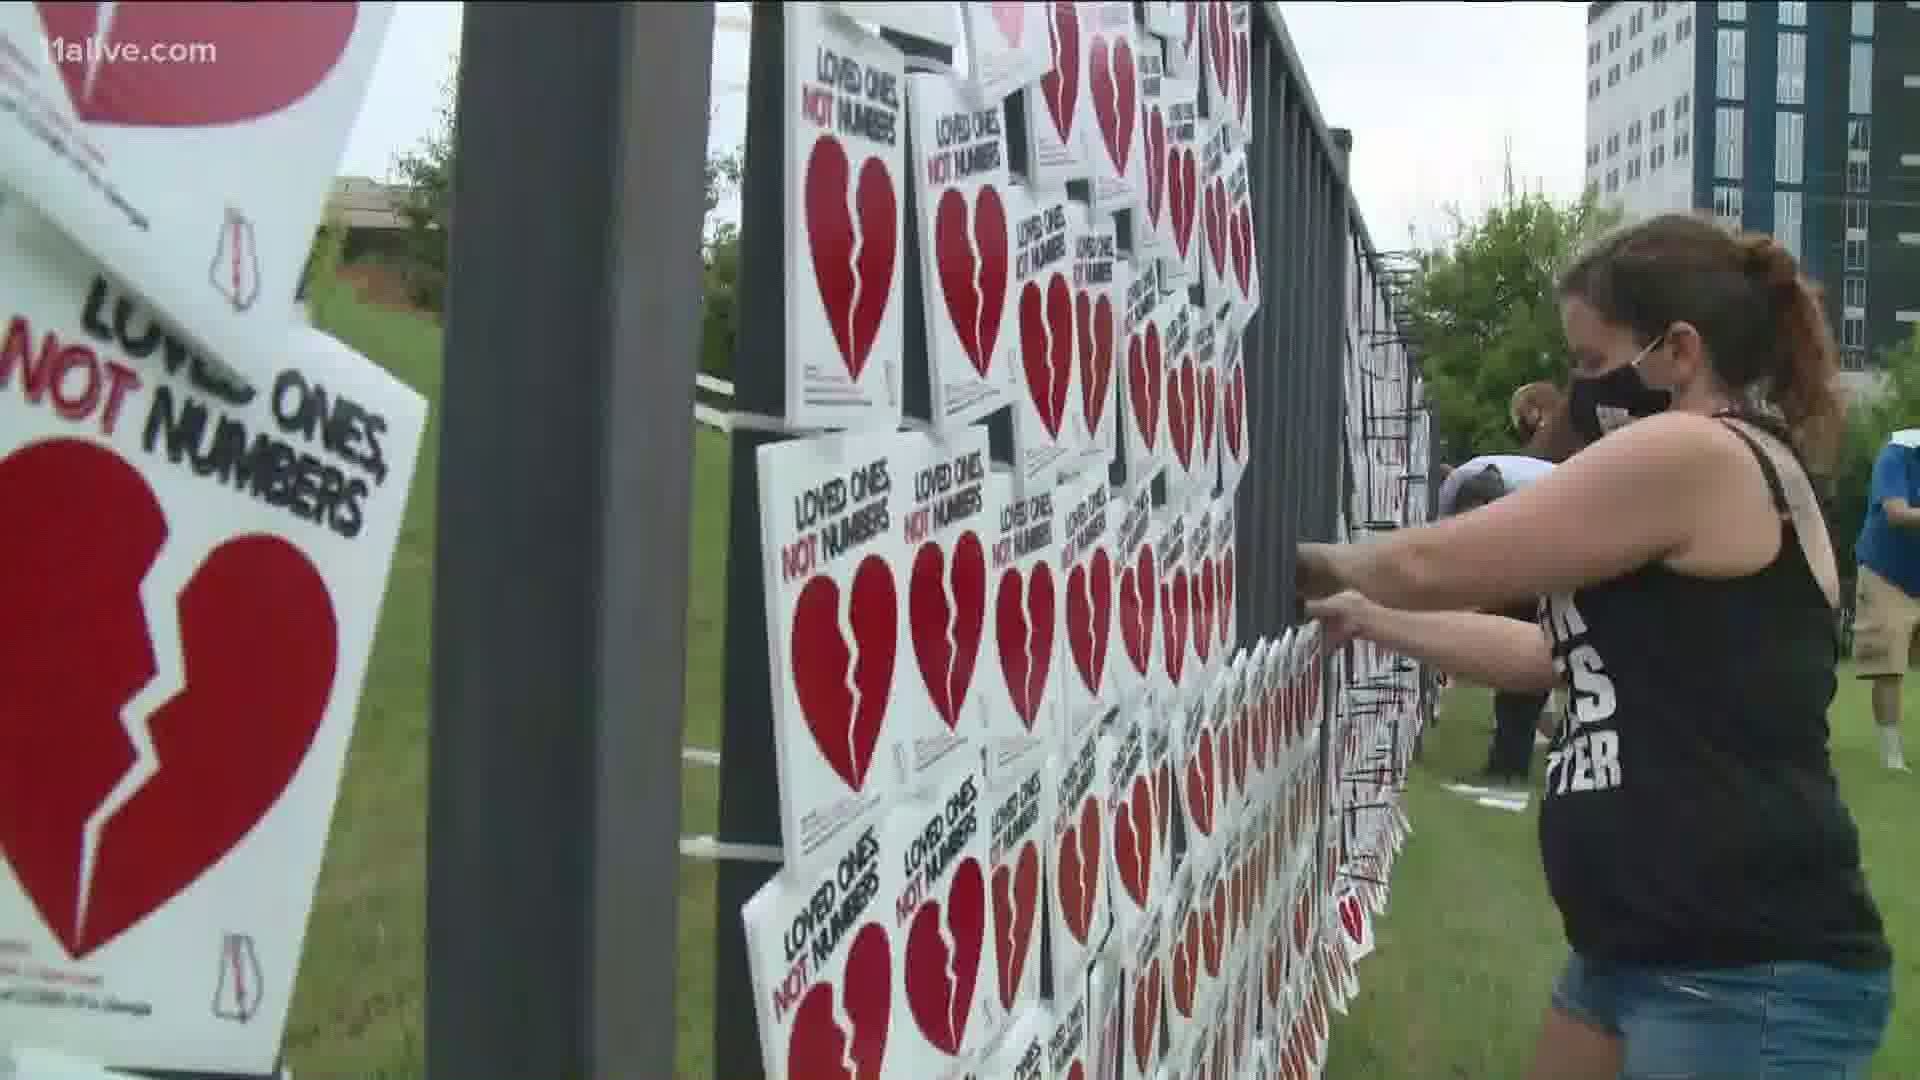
1586, 756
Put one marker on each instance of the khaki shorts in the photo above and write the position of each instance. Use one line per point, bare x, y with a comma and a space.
1884, 621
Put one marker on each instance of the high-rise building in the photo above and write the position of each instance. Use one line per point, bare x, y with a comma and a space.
1800, 119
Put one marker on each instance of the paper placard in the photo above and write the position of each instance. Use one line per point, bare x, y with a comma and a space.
1136, 590
1216, 209
832, 511
826, 963
1186, 40
1177, 321
846, 204
1024, 700
1243, 253
194, 574
1046, 408
1203, 588
1238, 62
1007, 46
1260, 717
1023, 801
1108, 989
1160, 729
1186, 135
1183, 938
1152, 228
1113, 138
1087, 568
928, 22
1229, 687
1225, 573
1203, 478
950, 518
1100, 280
962, 198
1058, 109
1144, 427
1130, 818
115, 152
1078, 912
1070, 1047
1146, 998
1164, 18
1022, 1052
1170, 682
1235, 436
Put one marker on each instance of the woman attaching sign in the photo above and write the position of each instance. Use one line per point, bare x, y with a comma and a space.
1706, 870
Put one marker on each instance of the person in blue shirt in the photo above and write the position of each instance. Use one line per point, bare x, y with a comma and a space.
1886, 604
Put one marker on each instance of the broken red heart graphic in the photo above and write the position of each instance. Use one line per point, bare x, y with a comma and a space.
1220, 48
1186, 964
1226, 598
1133, 841
1143, 384
1090, 617
1352, 918
1203, 593
1216, 222
818, 1045
1241, 737
1147, 991
1094, 318
1190, 39
1060, 86
1079, 1070
1242, 67
1173, 626
1236, 412
1079, 870
259, 59
1276, 971
836, 230
1183, 195
1242, 235
257, 653
946, 610
1209, 398
1301, 925
1237, 251
1113, 99
1011, 18
1153, 123
1023, 630
1223, 918
1046, 348
1212, 916
1016, 894
975, 290
1137, 591
1180, 418
943, 957
1163, 800
1200, 791
846, 722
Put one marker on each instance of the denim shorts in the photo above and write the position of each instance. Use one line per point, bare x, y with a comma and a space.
1774, 1020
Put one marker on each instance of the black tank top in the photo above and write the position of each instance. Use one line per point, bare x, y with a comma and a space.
1692, 817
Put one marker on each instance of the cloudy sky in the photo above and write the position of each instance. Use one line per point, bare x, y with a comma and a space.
1435, 94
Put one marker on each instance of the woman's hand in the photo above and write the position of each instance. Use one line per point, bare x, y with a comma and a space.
1319, 569
1343, 617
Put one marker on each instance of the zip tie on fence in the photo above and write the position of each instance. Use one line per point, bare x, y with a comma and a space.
741, 420
712, 850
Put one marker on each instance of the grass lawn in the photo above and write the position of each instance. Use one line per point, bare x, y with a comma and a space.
1467, 951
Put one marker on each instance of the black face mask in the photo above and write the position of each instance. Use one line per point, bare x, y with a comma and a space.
1601, 403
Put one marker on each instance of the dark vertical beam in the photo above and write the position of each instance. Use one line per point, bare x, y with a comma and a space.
560, 603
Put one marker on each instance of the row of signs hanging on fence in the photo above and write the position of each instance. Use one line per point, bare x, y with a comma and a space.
202, 498
1042, 816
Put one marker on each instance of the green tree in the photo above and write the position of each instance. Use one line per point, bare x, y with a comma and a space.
1483, 315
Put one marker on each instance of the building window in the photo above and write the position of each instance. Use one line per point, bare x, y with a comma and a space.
1658, 121
1726, 205
1855, 211
1593, 89
1683, 105
1633, 133
1593, 155
1730, 67
1613, 144
1858, 179
1854, 253
1860, 78
1613, 75
1859, 151
1683, 29
1733, 11
1793, 12
1860, 134
1593, 53
1637, 61
1789, 147
1681, 144
1853, 335
1863, 18
1787, 210
1659, 10
1613, 181
1637, 23
1657, 156
1729, 142
1659, 45
1791, 80
1854, 294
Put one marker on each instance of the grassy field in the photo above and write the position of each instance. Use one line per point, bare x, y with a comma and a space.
1467, 951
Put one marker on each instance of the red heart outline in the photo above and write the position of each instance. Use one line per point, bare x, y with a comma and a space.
1216, 225
1016, 898
258, 652
940, 985
975, 293
1186, 964
1220, 48
1173, 626
1148, 988
820, 659
1060, 86
1095, 320
1241, 226
1143, 384
1212, 916
1090, 618
1236, 413
1137, 591
1183, 192
1201, 795
1114, 87
1133, 848
1023, 630
1180, 409
1078, 876
1046, 349
1352, 918
852, 311
817, 1045
1153, 121
937, 625
1203, 587
260, 59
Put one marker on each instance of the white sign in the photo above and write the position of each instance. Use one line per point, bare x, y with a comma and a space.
1203, 475
1047, 415
1100, 280
1171, 556
1130, 811
845, 175
1216, 220
1152, 224
1113, 90
1235, 437
1025, 704
966, 236
1144, 429
1076, 870
1177, 320
193, 578
1008, 45
1058, 111
928, 22
1086, 567
1243, 256
832, 511
1146, 997
1021, 807
1136, 587
189, 148
1185, 136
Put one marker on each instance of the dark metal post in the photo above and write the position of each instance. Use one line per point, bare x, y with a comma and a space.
560, 604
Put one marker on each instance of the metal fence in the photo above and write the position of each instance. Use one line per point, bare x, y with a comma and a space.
567, 441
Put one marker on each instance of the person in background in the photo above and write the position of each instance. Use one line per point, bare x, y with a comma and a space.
1544, 422
1886, 596
1707, 871
1516, 714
